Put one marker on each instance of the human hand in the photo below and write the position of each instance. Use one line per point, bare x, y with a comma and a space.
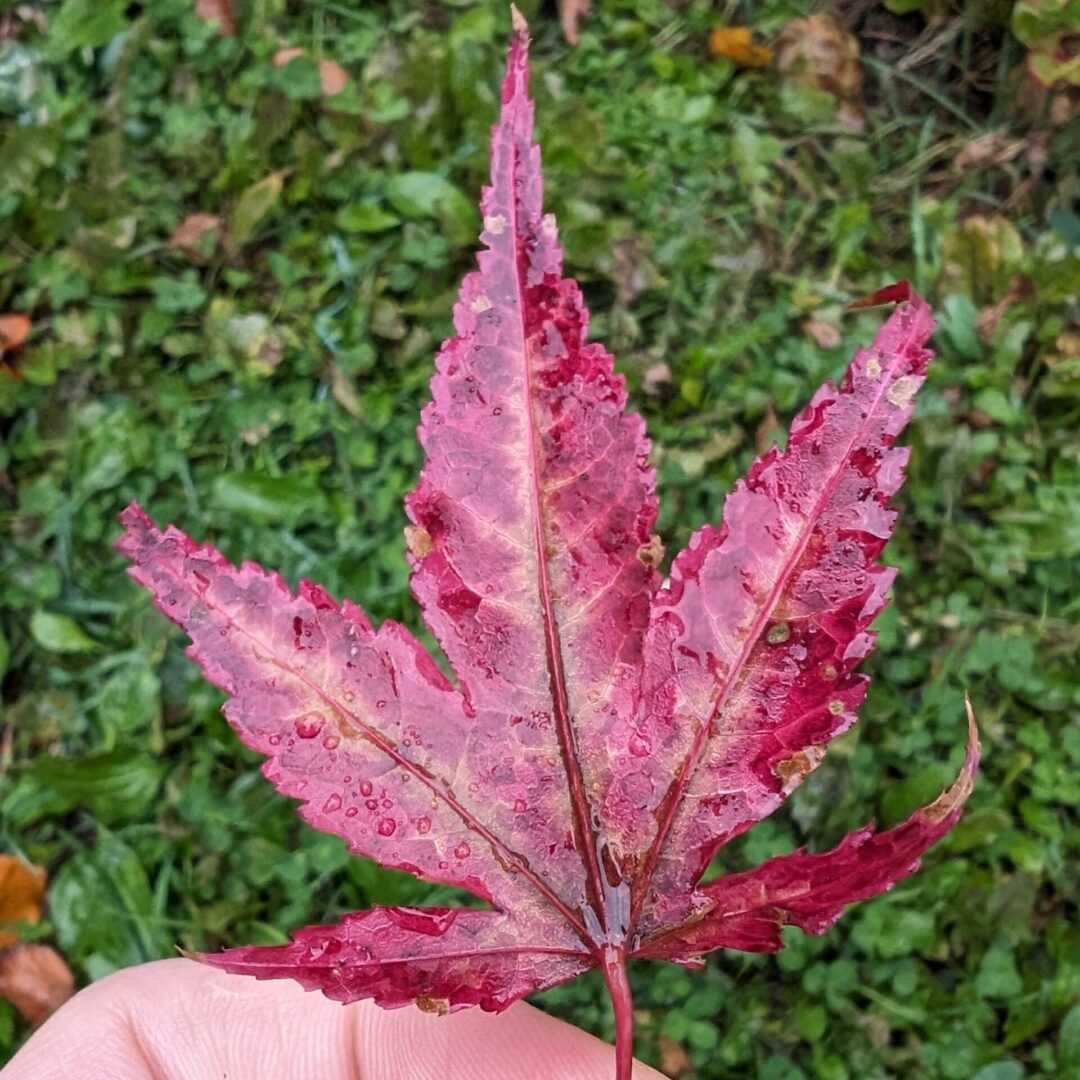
180, 1020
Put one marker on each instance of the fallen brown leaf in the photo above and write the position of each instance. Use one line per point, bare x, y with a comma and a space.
22, 892
333, 78
632, 270
1063, 108
341, 386
12, 23
14, 330
991, 148
765, 433
188, 235
657, 376
736, 43
36, 980
820, 54
283, 56
571, 12
822, 333
673, 1058
219, 11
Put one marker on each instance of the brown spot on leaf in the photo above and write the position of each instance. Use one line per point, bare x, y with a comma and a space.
794, 769
433, 1005
418, 540
902, 391
651, 553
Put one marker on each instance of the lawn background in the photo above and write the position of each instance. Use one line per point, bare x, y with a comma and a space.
262, 390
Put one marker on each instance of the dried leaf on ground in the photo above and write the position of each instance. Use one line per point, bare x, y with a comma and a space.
571, 13
14, 330
823, 333
341, 386
14, 22
36, 980
219, 11
192, 236
991, 148
632, 270
333, 78
22, 893
736, 43
819, 54
657, 376
674, 1059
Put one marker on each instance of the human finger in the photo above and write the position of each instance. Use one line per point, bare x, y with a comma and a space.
180, 1020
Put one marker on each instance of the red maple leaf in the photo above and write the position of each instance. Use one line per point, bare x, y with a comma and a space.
607, 731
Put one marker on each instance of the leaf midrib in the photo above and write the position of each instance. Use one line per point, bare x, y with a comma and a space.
584, 836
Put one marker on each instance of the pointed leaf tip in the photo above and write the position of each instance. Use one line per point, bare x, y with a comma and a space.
811, 891
518, 22
897, 293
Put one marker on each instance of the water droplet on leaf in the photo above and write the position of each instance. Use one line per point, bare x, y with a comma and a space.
307, 727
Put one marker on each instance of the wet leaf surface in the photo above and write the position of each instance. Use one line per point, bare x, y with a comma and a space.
606, 731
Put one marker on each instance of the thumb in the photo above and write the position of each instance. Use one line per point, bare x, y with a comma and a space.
179, 1020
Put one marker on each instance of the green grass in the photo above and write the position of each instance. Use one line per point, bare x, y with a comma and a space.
266, 398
